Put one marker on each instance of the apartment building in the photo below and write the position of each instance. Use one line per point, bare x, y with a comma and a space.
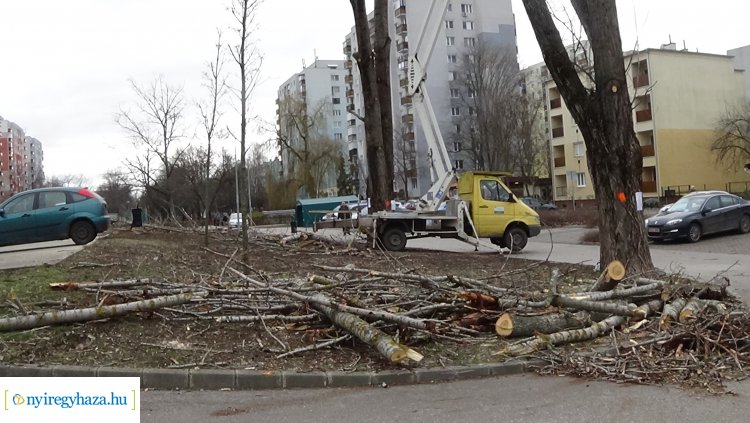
20, 160
467, 22
741, 56
317, 94
677, 96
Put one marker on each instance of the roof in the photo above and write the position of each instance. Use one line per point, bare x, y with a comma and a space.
326, 200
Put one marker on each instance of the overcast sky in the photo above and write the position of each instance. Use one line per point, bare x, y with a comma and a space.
66, 64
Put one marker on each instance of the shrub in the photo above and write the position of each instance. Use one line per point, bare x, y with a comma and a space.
588, 217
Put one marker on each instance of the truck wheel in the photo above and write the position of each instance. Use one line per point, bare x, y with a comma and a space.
393, 239
82, 232
515, 238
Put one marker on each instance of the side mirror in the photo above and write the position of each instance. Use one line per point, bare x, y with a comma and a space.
2, 212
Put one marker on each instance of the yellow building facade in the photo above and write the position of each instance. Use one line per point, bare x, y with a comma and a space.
677, 99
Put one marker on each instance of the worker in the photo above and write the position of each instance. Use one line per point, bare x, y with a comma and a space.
692, 188
344, 214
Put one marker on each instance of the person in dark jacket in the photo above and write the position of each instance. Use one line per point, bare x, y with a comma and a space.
343, 215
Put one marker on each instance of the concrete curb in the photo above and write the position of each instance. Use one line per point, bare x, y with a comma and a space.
214, 379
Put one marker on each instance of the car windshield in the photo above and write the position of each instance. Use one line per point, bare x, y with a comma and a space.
691, 204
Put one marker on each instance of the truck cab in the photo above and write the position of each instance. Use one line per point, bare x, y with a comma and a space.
496, 213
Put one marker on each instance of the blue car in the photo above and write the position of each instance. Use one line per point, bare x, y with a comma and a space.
49, 214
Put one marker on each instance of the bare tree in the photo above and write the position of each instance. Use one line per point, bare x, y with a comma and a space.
529, 146
68, 180
249, 60
155, 128
310, 154
379, 165
732, 145
604, 117
117, 191
214, 82
404, 160
489, 96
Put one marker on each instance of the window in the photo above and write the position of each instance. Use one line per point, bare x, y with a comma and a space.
450, 41
712, 204
465, 8
472, 93
413, 183
470, 42
455, 92
469, 58
336, 112
456, 147
450, 7
335, 90
455, 111
451, 58
20, 205
581, 179
336, 100
449, 24
338, 136
457, 128
451, 76
727, 200
337, 124
334, 77
459, 164
578, 148
469, 25
472, 112
51, 199
493, 191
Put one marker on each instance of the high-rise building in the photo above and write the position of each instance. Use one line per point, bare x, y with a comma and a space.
741, 57
20, 160
311, 115
467, 24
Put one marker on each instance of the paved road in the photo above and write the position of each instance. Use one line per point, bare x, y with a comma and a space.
523, 398
37, 254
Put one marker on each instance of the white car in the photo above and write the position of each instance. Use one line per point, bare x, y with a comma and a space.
235, 220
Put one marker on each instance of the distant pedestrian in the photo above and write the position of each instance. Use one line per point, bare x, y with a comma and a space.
692, 188
344, 215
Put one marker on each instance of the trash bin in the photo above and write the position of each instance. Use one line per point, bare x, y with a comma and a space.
137, 218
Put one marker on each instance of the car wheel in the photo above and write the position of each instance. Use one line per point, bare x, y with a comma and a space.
694, 232
393, 239
745, 224
497, 241
82, 232
515, 238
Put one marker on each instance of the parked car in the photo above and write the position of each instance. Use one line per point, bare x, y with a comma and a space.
698, 214
49, 214
537, 204
235, 220
667, 206
354, 211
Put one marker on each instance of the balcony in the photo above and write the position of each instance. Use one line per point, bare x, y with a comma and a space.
401, 11
400, 29
407, 118
348, 64
640, 81
561, 192
409, 136
558, 132
350, 93
647, 151
648, 186
405, 100
642, 115
349, 108
403, 83
348, 79
555, 103
402, 45
348, 49
559, 161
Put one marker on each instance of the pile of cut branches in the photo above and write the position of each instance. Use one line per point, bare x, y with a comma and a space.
646, 330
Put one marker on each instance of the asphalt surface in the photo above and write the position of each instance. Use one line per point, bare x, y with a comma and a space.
524, 398
37, 254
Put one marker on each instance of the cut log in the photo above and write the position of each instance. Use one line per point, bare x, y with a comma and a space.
597, 306
381, 341
671, 312
618, 293
615, 272
647, 309
516, 325
691, 310
564, 337
74, 286
93, 313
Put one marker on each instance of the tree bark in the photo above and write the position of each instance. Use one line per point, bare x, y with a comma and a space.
611, 308
382, 51
605, 120
92, 313
671, 312
517, 326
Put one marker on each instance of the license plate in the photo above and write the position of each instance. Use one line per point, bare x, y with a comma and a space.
653, 230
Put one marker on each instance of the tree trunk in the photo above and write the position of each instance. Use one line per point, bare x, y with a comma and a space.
605, 119
382, 51
376, 156
671, 312
92, 313
381, 341
517, 326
